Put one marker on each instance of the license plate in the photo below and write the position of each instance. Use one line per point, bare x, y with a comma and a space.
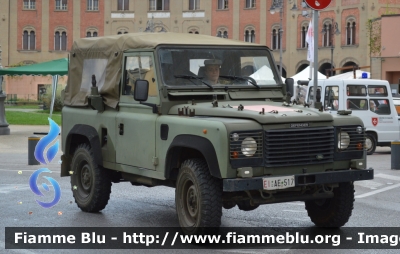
281, 182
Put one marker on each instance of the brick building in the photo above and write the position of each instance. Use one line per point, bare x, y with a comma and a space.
43, 30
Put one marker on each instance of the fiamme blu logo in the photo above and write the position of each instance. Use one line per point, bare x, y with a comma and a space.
44, 157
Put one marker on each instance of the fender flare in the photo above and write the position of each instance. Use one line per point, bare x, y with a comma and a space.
92, 136
203, 145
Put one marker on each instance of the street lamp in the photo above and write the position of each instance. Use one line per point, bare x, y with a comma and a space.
4, 130
277, 6
332, 30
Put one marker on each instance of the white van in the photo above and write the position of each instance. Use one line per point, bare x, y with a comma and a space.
369, 99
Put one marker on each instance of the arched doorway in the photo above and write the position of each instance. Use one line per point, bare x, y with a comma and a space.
301, 67
283, 71
325, 69
348, 64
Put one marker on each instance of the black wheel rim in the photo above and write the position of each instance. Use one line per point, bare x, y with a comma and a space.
190, 202
86, 178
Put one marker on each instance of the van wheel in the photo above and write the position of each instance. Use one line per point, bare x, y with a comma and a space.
332, 212
370, 143
198, 198
91, 184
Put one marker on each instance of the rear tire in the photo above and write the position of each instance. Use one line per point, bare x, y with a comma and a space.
198, 198
91, 184
370, 143
332, 212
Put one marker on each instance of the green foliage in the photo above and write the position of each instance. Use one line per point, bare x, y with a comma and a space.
374, 36
17, 64
31, 118
58, 103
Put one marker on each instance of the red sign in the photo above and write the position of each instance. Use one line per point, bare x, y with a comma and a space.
318, 4
374, 121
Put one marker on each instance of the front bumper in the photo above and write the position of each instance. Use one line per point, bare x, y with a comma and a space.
256, 183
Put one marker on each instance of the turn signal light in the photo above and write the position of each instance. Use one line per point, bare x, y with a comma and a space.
359, 146
235, 155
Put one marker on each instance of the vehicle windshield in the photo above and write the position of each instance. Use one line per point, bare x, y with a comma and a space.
205, 67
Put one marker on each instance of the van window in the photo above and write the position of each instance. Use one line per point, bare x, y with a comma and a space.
331, 98
357, 104
356, 90
311, 94
380, 107
377, 91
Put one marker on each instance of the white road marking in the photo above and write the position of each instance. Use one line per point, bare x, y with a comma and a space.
295, 211
378, 191
390, 177
368, 184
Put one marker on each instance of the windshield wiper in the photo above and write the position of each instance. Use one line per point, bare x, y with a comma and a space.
249, 79
194, 77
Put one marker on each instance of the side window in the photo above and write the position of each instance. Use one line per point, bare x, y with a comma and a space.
356, 90
331, 100
380, 107
377, 91
357, 104
139, 67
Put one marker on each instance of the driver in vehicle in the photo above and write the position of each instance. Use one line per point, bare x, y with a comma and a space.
211, 71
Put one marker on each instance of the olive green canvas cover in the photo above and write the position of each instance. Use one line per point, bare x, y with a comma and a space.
102, 57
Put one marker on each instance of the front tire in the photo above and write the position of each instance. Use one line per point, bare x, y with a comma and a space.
332, 212
91, 184
198, 198
370, 143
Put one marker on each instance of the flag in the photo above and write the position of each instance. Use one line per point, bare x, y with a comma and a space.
310, 41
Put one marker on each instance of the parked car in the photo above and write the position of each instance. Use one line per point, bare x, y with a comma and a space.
396, 102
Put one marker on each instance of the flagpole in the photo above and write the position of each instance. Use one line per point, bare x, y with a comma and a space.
315, 23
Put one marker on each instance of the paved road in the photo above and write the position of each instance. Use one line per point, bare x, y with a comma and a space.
377, 202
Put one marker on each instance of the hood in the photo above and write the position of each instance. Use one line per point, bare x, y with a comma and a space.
273, 113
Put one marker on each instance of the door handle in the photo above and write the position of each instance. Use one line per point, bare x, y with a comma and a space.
121, 128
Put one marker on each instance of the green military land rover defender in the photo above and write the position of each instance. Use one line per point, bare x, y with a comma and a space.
142, 108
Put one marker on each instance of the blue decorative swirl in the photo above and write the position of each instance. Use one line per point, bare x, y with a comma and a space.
35, 189
45, 141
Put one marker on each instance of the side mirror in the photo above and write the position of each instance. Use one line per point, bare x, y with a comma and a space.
290, 86
141, 92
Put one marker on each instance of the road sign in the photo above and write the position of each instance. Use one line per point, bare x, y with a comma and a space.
318, 4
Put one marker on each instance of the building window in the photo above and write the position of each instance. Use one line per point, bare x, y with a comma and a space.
29, 40
351, 33
222, 33
122, 31
249, 35
91, 34
92, 5
194, 5
326, 35
250, 3
60, 41
303, 34
222, 4
159, 5
123, 5
61, 4
276, 40
30, 4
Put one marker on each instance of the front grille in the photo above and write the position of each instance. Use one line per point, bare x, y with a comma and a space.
289, 147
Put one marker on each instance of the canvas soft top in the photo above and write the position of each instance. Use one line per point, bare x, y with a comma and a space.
102, 57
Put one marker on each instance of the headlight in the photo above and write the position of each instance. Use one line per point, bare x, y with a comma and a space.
343, 140
249, 146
